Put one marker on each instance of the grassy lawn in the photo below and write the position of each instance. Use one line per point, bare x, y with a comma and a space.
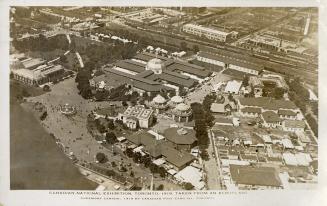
18, 90
48, 55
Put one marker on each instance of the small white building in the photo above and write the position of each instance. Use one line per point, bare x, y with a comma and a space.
233, 87
191, 175
137, 116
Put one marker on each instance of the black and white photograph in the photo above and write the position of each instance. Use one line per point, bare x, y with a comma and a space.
111, 98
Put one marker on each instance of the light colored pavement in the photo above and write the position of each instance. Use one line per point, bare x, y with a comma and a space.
199, 93
80, 60
212, 167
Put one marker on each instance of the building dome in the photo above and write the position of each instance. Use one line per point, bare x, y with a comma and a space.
155, 65
182, 107
177, 99
159, 99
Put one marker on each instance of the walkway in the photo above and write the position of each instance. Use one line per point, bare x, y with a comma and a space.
80, 60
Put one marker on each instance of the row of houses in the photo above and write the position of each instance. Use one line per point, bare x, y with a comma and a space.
274, 113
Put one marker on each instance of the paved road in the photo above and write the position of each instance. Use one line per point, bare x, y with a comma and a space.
212, 167
199, 93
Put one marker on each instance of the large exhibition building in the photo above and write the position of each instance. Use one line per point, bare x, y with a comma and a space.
150, 73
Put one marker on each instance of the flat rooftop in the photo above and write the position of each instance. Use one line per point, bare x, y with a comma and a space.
28, 63
138, 112
229, 59
207, 29
260, 176
266, 102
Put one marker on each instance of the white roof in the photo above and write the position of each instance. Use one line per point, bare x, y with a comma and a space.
192, 175
303, 159
247, 142
182, 53
177, 99
290, 159
102, 84
216, 107
139, 149
172, 171
211, 30
159, 161
30, 74
121, 139
100, 188
150, 47
182, 107
287, 143
300, 148
159, 99
236, 142
157, 136
233, 86
303, 137
227, 162
266, 138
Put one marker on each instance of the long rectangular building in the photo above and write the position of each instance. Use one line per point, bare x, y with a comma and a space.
40, 75
230, 62
209, 33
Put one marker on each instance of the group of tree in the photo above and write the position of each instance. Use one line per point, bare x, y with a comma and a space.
188, 186
41, 43
245, 81
200, 119
160, 187
100, 126
298, 93
314, 107
100, 54
83, 82
111, 138
146, 161
100, 157
101, 95
119, 93
207, 102
276, 92
43, 116
313, 123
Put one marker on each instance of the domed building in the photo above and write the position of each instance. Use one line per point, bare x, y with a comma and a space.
155, 65
159, 103
175, 100
182, 112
